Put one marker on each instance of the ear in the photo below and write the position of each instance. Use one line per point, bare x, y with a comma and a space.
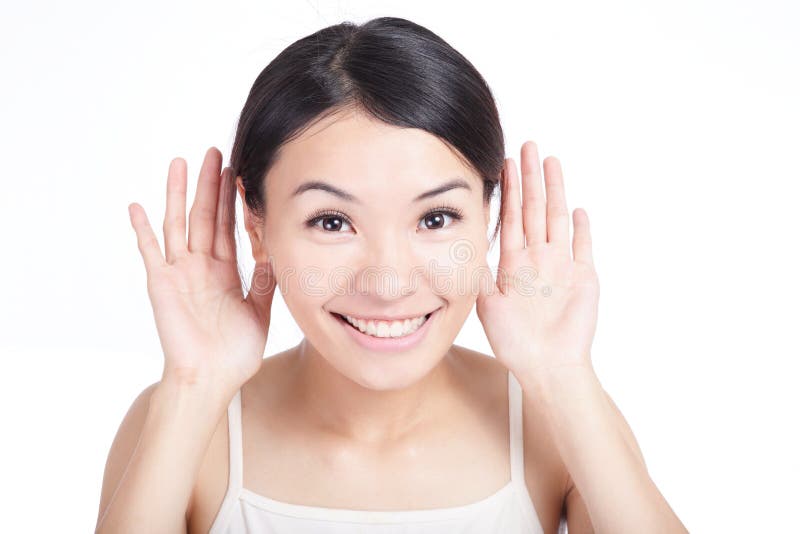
253, 226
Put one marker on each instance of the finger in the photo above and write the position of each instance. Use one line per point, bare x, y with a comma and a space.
511, 232
582, 240
203, 214
533, 199
175, 215
224, 242
557, 214
145, 238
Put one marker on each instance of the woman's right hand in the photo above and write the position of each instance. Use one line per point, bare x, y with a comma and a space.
208, 331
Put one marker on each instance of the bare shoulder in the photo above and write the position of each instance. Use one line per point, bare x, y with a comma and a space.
485, 381
211, 483
482, 365
546, 475
123, 445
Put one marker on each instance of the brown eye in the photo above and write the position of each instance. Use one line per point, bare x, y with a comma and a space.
437, 219
332, 221
332, 224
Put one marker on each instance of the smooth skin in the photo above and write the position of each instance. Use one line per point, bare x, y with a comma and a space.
167, 468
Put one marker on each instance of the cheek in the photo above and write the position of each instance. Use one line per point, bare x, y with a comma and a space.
311, 274
455, 265
303, 290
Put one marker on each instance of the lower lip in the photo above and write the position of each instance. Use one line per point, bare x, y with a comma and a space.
389, 344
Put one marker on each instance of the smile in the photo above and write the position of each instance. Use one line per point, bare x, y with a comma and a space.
380, 335
380, 328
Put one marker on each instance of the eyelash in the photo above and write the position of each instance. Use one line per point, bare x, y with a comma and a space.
455, 213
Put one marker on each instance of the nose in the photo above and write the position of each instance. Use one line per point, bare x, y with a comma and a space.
390, 270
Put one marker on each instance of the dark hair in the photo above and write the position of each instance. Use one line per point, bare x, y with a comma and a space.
390, 68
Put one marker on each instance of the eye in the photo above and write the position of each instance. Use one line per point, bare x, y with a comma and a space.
435, 218
332, 220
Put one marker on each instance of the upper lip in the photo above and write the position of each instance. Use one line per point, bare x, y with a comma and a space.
380, 317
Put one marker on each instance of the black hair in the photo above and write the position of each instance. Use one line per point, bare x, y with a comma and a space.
389, 68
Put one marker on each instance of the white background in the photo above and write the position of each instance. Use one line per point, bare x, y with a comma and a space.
677, 127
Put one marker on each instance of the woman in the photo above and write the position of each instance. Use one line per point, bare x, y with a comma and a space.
360, 149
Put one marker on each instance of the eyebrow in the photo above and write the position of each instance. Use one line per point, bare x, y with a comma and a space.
320, 185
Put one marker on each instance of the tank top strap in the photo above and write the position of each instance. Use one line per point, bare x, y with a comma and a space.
235, 452
515, 430
235, 468
515, 400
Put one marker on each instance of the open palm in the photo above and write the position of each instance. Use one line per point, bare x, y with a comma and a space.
543, 311
208, 330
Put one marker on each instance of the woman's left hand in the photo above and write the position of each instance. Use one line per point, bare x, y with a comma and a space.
542, 313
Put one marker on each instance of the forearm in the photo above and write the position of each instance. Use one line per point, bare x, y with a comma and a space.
611, 477
154, 492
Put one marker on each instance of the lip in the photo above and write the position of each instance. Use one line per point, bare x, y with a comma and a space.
388, 344
385, 317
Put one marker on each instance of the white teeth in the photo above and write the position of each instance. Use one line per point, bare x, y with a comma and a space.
396, 329
386, 328
383, 329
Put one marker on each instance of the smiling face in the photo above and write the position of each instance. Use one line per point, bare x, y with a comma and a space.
372, 221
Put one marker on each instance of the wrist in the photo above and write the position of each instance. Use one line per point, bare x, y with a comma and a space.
550, 381
188, 387
192, 379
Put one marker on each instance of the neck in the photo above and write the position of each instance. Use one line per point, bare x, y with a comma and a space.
349, 410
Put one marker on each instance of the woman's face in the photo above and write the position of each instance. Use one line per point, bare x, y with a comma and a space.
354, 226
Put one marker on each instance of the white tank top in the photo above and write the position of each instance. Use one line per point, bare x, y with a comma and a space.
509, 510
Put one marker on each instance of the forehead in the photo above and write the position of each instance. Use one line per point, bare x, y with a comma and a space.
356, 151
